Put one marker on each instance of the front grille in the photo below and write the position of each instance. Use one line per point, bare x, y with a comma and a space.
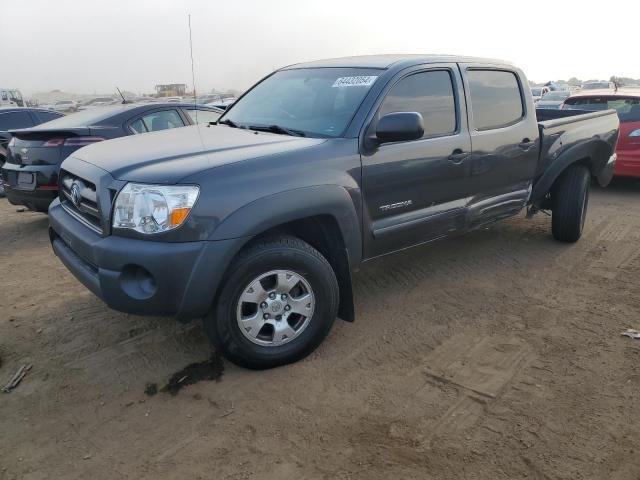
85, 206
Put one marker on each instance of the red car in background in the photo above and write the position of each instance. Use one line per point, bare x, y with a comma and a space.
627, 103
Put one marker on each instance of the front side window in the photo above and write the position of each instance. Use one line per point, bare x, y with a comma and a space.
203, 116
319, 102
496, 100
155, 121
431, 95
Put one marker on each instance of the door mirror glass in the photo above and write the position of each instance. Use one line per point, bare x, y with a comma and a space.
400, 126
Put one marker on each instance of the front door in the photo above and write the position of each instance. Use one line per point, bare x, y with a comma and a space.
416, 191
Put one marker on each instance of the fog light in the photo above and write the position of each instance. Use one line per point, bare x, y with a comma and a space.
137, 282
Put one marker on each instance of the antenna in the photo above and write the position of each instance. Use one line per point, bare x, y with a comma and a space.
193, 75
124, 100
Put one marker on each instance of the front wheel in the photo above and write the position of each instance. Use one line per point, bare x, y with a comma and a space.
278, 303
570, 197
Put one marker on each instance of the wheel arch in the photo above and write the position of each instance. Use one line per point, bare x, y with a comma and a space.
592, 153
323, 216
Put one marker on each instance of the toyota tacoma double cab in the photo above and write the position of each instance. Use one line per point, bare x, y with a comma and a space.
256, 222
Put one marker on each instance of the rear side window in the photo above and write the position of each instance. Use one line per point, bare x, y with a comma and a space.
496, 100
155, 121
431, 95
47, 116
203, 116
628, 108
138, 126
11, 120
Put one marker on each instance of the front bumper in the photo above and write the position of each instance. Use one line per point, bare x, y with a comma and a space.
142, 276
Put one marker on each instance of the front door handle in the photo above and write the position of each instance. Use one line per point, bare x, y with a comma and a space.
526, 144
458, 155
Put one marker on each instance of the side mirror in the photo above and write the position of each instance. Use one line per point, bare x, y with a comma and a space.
400, 126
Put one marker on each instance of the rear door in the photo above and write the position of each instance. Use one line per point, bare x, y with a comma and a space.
416, 191
504, 139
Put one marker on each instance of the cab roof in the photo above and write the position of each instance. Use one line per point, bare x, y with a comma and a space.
384, 62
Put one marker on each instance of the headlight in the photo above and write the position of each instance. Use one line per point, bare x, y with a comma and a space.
153, 208
635, 133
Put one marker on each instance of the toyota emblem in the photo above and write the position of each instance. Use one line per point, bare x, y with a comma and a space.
75, 194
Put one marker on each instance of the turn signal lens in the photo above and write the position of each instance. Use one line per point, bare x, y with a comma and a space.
178, 216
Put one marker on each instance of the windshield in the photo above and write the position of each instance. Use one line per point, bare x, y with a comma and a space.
315, 101
628, 108
555, 96
536, 92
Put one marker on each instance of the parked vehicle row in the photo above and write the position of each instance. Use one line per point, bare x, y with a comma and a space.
33, 157
256, 223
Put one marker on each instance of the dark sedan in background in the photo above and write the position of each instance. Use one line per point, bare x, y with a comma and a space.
18, 117
30, 173
553, 100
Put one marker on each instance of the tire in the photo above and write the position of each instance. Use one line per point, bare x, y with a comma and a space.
312, 304
570, 198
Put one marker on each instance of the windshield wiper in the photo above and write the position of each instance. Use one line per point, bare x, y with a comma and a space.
278, 129
231, 123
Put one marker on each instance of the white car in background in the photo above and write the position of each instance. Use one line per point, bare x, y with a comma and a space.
65, 106
598, 86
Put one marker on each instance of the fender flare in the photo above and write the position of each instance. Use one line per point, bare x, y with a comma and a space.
595, 153
271, 211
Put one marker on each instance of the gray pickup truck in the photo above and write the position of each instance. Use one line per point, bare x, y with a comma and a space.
257, 222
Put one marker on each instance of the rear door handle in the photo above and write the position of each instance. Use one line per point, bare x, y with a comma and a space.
458, 155
526, 144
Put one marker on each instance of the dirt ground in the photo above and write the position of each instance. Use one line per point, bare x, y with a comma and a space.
497, 355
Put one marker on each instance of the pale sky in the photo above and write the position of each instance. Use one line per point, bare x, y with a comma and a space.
86, 46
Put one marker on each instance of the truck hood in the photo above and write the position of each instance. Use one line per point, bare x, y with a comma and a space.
168, 156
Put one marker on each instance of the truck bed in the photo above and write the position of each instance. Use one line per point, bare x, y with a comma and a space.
561, 130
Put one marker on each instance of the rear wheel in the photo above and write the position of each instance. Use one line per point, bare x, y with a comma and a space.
570, 197
277, 304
